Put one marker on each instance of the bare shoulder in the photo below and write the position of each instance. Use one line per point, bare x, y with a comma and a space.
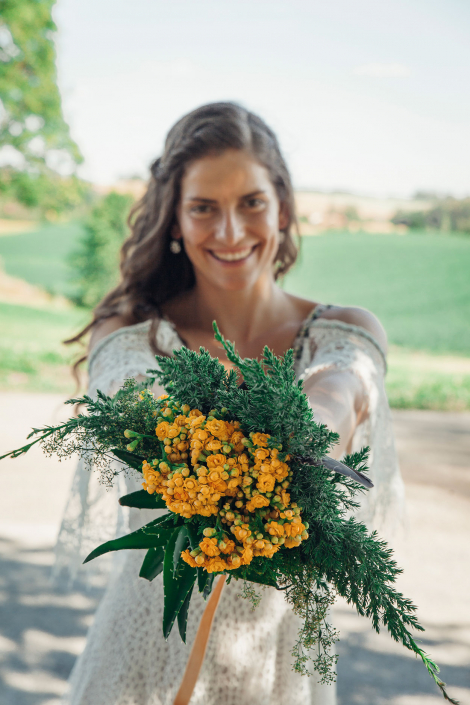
359, 317
104, 328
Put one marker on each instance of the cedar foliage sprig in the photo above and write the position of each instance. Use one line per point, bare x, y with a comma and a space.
96, 432
340, 556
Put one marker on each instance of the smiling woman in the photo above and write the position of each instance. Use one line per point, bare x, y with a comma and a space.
221, 179
231, 223
209, 240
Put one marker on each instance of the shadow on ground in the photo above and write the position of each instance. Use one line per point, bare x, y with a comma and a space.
42, 628
367, 676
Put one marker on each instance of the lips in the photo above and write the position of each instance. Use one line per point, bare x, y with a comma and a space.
232, 256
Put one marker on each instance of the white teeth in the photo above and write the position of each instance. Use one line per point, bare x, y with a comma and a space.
232, 256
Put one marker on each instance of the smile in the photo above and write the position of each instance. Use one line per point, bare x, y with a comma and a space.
238, 256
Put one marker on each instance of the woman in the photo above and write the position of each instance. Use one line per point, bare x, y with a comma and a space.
209, 240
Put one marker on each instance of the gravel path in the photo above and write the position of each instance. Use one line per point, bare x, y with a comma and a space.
42, 630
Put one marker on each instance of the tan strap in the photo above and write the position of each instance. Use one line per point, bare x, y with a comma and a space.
198, 650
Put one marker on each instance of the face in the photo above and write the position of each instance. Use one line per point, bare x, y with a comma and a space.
229, 218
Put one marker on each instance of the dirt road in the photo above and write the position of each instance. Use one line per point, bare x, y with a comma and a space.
42, 630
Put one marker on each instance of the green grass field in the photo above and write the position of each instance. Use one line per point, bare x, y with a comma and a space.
40, 257
427, 381
32, 357
418, 285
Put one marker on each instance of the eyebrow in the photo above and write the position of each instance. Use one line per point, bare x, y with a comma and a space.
212, 200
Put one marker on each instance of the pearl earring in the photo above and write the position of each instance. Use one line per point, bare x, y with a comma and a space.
175, 247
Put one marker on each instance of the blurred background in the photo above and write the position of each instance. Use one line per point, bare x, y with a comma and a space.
371, 105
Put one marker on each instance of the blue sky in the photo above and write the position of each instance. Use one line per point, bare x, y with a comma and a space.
366, 96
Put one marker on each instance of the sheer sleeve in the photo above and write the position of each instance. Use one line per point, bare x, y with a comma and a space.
338, 346
93, 514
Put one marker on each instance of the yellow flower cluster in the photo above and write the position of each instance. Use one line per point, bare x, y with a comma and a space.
212, 468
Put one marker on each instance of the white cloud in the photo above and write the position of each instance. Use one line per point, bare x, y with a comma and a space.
8, 50
9, 156
37, 146
383, 70
60, 160
34, 123
15, 129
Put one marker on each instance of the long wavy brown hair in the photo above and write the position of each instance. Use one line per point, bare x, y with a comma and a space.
150, 273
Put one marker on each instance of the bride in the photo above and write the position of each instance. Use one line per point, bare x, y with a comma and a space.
210, 239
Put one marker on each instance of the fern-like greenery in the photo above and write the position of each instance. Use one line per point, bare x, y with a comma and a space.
340, 556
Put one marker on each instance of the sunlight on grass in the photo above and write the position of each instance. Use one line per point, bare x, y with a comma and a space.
418, 285
40, 257
32, 356
416, 380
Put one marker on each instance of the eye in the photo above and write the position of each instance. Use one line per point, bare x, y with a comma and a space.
255, 203
201, 209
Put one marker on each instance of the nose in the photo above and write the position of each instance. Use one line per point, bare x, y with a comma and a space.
231, 228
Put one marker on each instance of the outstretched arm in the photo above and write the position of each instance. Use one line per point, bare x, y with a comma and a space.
337, 397
337, 400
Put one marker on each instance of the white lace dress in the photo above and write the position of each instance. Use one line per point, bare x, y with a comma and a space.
248, 660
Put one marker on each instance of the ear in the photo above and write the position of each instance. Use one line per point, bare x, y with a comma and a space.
283, 216
176, 232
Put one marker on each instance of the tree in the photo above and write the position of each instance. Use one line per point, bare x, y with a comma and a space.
96, 261
448, 215
34, 137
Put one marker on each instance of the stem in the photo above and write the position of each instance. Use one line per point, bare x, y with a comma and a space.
45, 433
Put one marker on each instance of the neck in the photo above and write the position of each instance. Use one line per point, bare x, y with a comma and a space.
240, 315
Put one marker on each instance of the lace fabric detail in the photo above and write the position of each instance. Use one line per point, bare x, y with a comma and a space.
248, 661
126, 353
93, 514
333, 345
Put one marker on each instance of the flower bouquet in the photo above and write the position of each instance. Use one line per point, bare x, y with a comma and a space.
249, 492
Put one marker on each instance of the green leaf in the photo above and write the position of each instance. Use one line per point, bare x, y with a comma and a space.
192, 535
142, 500
183, 615
176, 584
132, 459
180, 545
154, 534
204, 579
202, 576
208, 586
153, 563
